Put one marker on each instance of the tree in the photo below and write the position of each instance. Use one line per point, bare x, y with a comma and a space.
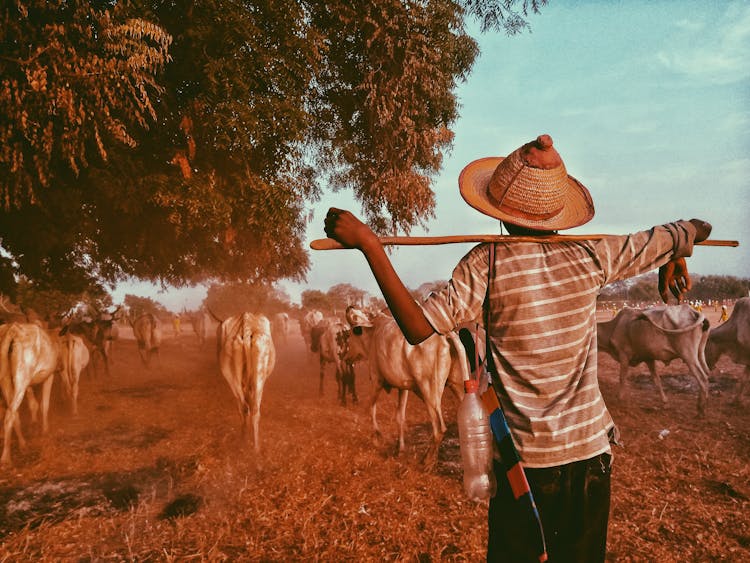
341, 295
315, 299
77, 82
138, 306
644, 288
187, 139
225, 300
719, 287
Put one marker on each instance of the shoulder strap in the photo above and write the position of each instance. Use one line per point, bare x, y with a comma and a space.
490, 362
511, 460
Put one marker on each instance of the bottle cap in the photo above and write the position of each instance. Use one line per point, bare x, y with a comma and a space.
471, 385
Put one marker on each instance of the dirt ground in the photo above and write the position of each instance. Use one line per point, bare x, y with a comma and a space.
154, 468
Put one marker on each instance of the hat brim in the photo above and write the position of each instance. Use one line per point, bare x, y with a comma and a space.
473, 183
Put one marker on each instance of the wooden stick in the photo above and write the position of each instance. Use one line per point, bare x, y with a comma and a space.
330, 244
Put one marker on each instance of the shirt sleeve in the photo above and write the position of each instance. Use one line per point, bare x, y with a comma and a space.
461, 300
626, 256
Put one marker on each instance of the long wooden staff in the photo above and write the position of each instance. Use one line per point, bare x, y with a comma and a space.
330, 244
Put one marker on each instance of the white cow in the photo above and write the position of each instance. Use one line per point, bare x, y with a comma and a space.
280, 328
732, 338
246, 358
28, 357
74, 357
425, 369
200, 322
658, 333
310, 320
100, 335
147, 332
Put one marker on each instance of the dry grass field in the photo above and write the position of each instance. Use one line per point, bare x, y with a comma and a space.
154, 469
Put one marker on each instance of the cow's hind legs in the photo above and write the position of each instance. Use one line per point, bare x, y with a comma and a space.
702, 378
741, 386
377, 435
403, 397
622, 391
657, 380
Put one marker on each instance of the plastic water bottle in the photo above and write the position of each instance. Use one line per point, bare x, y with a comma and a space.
475, 439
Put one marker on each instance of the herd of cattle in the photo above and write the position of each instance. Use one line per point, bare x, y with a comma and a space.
30, 356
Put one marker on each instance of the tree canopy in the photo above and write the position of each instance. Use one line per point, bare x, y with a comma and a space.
225, 300
181, 142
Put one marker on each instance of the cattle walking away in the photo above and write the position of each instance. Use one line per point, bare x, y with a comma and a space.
733, 339
280, 328
100, 335
658, 333
74, 357
309, 321
332, 337
147, 332
425, 369
246, 358
28, 357
200, 322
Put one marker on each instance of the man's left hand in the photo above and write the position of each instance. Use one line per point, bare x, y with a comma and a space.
675, 278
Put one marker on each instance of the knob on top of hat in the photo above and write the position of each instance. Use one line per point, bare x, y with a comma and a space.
540, 153
544, 142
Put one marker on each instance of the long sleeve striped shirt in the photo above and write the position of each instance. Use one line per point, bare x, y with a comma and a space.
543, 330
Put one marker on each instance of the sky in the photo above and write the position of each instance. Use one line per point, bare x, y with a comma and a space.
648, 103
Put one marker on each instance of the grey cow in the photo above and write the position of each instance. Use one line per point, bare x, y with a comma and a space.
658, 333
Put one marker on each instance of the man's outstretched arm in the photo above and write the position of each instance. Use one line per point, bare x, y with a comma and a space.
344, 227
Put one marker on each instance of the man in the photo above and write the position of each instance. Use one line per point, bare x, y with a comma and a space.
542, 299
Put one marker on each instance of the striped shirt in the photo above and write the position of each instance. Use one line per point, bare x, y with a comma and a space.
543, 331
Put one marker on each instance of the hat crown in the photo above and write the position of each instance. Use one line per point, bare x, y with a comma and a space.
529, 188
531, 183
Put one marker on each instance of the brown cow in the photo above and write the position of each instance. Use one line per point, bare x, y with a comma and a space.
246, 358
99, 334
332, 337
28, 357
425, 369
658, 333
147, 332
732, 338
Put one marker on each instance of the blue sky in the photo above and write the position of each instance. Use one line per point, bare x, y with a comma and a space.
648, 104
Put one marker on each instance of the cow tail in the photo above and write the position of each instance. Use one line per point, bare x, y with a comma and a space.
459, 370
702, 348
5, 376
70, 357
248, 352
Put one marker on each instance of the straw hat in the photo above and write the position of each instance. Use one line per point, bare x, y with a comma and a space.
529, 188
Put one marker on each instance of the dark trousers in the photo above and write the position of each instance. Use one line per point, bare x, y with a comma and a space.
573, 503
